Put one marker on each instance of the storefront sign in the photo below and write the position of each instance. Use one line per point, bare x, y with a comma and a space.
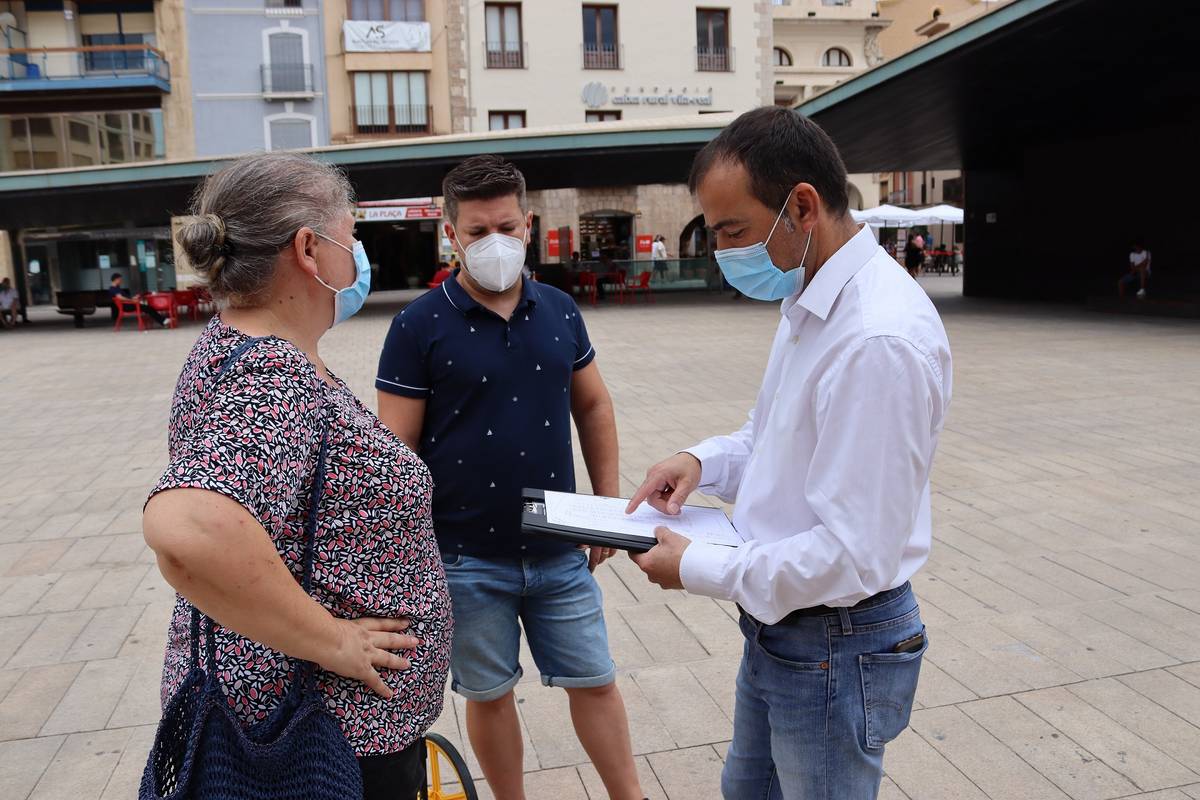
554, 246
396, 213
645, 244
386, 37
596, 94
105, 262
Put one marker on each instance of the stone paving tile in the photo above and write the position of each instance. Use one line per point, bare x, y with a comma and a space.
662, 634
691, 772
83, 766
1151, 722
1063, 761
89, 702
33, 698
105, 634
994, 769
1169, 691
1138, 760
649, 781
690, 715
923, 773
52, 639
67, 591
23, 762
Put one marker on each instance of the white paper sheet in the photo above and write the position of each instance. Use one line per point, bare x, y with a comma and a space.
608, 514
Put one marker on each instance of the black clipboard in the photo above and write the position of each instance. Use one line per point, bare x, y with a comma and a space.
533, 521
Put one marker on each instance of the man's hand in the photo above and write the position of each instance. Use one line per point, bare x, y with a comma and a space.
597, 555
668, 484
661, 562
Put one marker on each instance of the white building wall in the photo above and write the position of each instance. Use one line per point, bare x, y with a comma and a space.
657, 41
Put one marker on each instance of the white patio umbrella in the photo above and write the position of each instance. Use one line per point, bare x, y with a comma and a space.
887, 216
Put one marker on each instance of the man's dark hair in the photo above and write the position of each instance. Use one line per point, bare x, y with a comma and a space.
116, 276
481, 178
779, 148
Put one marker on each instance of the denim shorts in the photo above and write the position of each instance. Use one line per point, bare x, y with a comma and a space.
556, 600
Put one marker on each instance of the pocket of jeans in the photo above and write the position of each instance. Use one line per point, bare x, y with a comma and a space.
797, 652
889, 682
452, 559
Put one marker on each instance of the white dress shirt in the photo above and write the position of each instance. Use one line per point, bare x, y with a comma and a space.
831, 472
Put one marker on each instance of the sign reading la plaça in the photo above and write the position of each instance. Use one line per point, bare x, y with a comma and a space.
363, 36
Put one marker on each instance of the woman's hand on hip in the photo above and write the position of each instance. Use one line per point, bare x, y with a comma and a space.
366, 645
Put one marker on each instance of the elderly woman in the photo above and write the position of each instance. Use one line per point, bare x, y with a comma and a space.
273, 237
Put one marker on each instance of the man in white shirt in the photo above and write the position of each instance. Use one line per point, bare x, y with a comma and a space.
658, 252
10, 304
830, 473
1139, 271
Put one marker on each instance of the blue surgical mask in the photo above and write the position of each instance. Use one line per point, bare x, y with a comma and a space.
347, 302
750, 269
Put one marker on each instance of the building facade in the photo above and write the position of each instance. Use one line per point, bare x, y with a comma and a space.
85, 84
387, 70
818, 44
258, 75
543, 63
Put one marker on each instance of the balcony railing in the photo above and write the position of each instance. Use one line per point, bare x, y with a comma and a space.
371, 120
505, 55
287, 79
714, 59
603, 56
94, 62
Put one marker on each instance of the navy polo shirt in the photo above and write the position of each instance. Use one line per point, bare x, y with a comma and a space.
497, 410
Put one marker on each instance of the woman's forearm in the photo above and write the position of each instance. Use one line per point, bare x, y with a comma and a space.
217, 556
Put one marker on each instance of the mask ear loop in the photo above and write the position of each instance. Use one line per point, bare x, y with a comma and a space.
778, 217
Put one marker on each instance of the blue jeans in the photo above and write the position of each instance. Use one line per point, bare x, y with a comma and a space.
818, 698
557, 601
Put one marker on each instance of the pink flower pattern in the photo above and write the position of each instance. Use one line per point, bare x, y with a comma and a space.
253, 436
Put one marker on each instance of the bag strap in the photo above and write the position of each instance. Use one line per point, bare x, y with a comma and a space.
306, 670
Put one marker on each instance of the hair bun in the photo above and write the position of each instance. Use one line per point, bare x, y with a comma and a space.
204, 241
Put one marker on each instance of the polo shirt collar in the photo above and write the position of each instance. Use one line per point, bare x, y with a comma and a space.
818, 297
461, 300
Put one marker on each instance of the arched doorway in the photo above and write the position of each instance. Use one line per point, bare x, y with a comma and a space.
694, 241
606, 233
855, 197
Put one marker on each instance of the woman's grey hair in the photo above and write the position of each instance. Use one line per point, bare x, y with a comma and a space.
247, 213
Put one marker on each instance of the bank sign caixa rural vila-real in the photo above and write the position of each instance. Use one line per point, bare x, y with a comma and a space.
596, 94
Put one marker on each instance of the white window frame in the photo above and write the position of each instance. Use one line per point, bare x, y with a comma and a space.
284, 27
311, 119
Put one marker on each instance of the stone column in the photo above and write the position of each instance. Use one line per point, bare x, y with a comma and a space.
185, 273
458, 64
170, 22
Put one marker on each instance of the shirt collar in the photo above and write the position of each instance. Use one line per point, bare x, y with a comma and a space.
818, 297
461, 300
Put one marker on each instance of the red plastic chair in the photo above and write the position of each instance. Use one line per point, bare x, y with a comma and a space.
204, 301
128, 308
186, 298
164, 303
642, 284
587, 286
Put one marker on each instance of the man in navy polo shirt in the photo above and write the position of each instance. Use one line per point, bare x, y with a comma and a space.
482, 376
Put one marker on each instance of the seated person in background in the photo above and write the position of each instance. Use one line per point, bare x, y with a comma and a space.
443, 272
115, 290
10, 304
1139, 271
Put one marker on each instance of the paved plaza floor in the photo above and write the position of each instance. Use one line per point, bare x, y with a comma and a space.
1062, 597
